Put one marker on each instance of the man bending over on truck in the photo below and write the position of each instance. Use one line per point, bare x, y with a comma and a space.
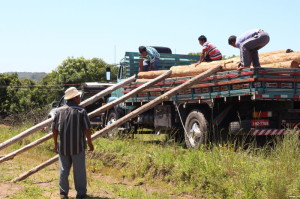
209, 51
249, 43
149, 58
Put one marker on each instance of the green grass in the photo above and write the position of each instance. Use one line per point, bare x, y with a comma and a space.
220, 171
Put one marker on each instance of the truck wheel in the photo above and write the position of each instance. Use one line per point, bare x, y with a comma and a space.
196, 129
112, 117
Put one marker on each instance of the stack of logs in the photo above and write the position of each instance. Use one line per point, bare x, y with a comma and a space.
275, 59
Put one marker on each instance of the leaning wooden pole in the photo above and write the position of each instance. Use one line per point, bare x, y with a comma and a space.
106, 91
131, 115
36, 169
45, 123
25, 148
97, 111
131, 93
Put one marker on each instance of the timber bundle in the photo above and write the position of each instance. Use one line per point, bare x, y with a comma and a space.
274, 59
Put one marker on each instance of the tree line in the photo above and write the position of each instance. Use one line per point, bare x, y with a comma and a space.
20, 95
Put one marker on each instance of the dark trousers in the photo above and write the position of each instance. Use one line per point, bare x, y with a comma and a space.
208, 59
249, 48
146, 65
79, 173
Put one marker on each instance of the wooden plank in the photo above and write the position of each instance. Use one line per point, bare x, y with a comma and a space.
265, 79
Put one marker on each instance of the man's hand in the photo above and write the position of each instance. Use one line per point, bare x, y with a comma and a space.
91, 147
240, 66
55, 134
89, 140
198, 63
55, 149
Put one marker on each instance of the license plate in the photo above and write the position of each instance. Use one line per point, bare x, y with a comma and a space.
260, 123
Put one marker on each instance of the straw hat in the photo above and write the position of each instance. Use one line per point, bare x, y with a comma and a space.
71, 93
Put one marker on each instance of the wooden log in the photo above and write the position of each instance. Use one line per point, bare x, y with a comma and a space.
131, 115
25, 133
285, 64
151, 74
283, 60
36, 169
275, 52
47, 122
25, 148
130, 94
293, 56
106, 91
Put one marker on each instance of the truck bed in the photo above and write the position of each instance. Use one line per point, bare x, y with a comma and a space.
260, 84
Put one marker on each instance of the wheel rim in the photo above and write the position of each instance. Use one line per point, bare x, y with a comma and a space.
195, 133
111, 120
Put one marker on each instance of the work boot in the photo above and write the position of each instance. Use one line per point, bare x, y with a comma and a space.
63, 197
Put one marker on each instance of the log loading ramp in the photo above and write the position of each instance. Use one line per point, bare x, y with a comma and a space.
110, 127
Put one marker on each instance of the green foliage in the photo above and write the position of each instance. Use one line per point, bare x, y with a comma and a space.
5, 92
23, 95
79, 70
194, 53
224, 57
228, 57
223, 171
36, 76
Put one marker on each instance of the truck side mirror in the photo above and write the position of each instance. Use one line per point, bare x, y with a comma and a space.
107, 73
54, 105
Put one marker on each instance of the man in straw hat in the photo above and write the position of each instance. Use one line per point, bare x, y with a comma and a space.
72, 125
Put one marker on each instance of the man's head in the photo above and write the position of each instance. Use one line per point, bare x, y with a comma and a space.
143, 50
232, 40
72, 94
202, 39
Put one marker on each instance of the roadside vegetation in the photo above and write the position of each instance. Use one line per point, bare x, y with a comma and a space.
151, 166
18, 95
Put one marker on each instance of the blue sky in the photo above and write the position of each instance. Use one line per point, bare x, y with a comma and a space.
37, 35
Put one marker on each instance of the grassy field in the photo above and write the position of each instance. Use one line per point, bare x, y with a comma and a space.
154, 167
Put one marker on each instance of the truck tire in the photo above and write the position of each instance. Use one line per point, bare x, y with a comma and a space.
195, 133
112, 117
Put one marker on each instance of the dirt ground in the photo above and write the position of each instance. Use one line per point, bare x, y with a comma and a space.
8, 189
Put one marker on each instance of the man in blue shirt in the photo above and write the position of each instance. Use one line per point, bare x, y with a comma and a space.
150, 58
249, 43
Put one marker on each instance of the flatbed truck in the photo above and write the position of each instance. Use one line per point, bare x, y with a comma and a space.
256, 102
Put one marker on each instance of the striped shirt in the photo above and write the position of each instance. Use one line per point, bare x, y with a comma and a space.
71, 121
151, 54
212, 51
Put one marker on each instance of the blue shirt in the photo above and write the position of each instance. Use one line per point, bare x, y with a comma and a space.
245, 36
151, 54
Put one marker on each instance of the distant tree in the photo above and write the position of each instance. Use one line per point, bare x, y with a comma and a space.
5, 81
74, 72
228, 57
26, 94
79, 70
199, 53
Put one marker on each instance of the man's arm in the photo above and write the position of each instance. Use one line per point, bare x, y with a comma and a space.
141, 65
88, 133
201, 58
55, 135
150, 67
